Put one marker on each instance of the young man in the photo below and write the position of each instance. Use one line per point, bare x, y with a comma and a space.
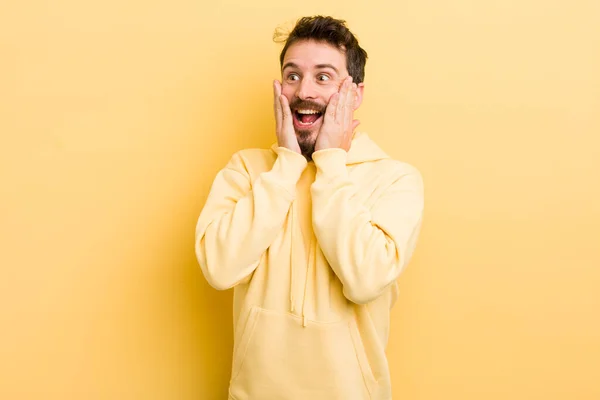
312, 234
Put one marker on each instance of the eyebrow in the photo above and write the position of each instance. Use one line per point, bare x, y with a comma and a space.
318, 66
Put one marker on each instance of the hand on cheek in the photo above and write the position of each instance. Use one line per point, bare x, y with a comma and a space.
284, 127
338, 124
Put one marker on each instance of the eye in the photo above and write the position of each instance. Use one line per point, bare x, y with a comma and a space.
323, 78
293, 77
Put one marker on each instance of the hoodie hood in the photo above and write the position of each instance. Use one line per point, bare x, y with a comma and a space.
364, 149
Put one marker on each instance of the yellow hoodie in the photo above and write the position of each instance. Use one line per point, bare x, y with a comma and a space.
313, 251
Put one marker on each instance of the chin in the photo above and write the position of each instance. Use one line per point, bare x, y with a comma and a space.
303, 134
307, 141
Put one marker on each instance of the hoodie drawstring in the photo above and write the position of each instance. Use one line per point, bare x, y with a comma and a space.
292, 212
293, 261
310, 262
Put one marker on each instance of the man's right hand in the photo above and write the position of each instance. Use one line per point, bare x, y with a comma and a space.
286, 135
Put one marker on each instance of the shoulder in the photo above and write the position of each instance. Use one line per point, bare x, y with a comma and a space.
397, 175
387, 170
253, 160
397, 167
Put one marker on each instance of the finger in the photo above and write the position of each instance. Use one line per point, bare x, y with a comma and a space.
339, 112
277, 105
331, 107
286, 122
351, 95
355, 124
349, 108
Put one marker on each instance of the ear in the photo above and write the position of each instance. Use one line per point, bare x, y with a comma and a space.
359, 95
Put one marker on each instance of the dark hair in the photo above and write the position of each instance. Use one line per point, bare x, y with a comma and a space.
332, 31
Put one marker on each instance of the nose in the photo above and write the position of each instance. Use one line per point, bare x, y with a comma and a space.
306, 90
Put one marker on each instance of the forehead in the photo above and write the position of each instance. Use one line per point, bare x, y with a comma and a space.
306, 54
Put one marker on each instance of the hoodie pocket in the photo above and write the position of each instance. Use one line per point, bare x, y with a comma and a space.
279, 358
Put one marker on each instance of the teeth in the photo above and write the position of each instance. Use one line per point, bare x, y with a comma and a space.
308, 112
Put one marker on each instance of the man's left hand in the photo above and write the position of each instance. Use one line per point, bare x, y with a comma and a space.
338, 123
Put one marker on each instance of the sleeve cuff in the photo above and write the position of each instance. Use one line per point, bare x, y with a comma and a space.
330, 162
289, 165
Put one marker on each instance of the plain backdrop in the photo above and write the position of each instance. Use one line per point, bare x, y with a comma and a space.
116, 115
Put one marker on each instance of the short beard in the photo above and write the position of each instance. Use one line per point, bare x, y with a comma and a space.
306, 143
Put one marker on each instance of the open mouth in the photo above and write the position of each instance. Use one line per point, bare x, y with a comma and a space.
305, 118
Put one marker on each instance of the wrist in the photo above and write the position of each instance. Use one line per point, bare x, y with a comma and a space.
295, 147
324, 145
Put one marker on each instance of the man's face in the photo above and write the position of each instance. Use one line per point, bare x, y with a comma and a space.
312, 72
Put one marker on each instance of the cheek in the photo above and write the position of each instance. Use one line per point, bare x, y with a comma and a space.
287, 91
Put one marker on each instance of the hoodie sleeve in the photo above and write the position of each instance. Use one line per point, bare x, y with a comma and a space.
367, 248
241, 218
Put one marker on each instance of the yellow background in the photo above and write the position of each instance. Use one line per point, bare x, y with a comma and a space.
116, 115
